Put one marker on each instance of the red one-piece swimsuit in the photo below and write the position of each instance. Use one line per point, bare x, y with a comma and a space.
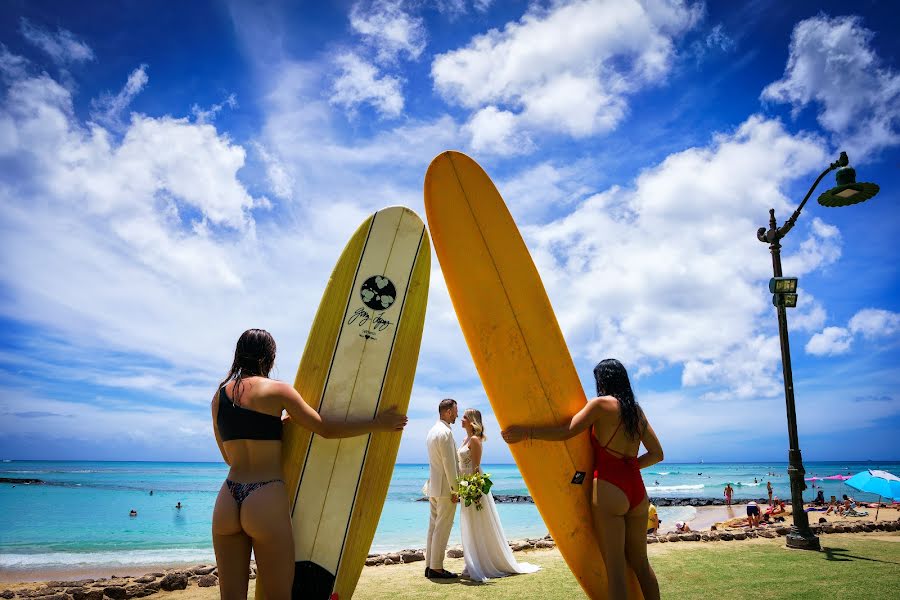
620, 470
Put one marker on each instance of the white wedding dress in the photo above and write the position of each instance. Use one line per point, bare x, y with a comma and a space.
485, 548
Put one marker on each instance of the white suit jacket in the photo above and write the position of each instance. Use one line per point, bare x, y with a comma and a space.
442, 460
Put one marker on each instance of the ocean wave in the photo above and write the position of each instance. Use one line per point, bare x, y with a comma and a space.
674, 488
108, 558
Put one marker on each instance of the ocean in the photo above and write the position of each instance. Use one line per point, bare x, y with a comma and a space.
80, 516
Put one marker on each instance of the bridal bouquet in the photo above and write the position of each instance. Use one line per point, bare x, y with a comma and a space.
472, 487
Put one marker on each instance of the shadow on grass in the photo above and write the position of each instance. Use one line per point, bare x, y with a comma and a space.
840, 555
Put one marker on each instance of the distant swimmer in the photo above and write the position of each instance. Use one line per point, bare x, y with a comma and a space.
178, 506
151, 492
133, 513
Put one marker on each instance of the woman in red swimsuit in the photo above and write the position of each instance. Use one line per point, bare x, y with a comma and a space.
617, 426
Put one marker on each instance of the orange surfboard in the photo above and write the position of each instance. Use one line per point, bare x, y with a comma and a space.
518, 349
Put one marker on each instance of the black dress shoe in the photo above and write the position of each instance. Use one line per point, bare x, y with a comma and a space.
443, 575
427, 572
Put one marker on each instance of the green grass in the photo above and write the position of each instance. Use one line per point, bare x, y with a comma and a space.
849, 566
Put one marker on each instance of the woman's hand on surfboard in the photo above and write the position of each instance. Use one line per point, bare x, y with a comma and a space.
391, 420
514, 434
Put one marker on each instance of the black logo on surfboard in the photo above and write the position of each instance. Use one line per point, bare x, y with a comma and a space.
378, 292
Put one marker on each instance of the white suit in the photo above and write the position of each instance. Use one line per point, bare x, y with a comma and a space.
441, 485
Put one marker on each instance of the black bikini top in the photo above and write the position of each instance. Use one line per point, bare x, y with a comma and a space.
238, 423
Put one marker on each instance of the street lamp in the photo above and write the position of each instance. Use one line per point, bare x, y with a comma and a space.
847, 192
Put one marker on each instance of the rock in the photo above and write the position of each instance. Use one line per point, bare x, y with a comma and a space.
394, 556
767, 534
57, 596
713, 536
93, 594
890, 526
7, 594
410, 556
145, 579
704, 537
519, 546
156, 574
208, 580
662, 539
690, 537
372, 555
116, 592
740, 535
374, 561
752, 534
726, 537
138, 591
651, 539
782, 530
203, 570
869, 526
455, 553
388, 561
174, 581
673, 537
545, 544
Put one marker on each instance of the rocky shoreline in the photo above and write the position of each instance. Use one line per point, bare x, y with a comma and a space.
125, 588
514, 499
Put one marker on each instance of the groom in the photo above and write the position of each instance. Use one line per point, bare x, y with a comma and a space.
441, 490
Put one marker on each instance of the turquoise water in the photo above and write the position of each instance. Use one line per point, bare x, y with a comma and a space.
80, 518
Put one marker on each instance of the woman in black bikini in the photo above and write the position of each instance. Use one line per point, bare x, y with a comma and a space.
252, 509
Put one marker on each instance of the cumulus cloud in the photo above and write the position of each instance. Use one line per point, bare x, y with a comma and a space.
669, 272
569, 68
832, 64
870, 323
388, 29
359, 83
493, 131
208, 115
63, 47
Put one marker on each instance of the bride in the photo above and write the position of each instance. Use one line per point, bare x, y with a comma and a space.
485, 549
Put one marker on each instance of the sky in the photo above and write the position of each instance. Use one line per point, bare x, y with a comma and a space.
172, 174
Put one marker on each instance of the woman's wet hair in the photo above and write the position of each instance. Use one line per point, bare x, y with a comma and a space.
612, 380
474, 417
254, 356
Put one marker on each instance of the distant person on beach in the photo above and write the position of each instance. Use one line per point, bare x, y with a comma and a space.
769, 488
620, 502
441, 489
652, 520
485, 547
729, 492
820, 498
752, 514
252, 508
682, 527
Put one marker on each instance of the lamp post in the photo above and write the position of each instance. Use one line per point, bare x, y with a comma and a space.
847, 192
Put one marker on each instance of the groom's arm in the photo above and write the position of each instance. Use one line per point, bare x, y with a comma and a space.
448, 459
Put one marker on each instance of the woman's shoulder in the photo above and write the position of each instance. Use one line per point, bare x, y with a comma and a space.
475, 441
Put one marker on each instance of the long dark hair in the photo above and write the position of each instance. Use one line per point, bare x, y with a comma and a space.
254, 356
612, 380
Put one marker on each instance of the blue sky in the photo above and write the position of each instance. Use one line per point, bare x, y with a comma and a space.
171, 175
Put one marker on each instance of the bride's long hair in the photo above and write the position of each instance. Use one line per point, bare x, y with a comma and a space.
474, 417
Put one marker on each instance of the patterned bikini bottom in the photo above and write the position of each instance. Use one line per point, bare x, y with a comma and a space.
241, 491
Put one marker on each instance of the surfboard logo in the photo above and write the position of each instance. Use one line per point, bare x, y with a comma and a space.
378, 292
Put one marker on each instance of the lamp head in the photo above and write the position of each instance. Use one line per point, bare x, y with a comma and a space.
847, 191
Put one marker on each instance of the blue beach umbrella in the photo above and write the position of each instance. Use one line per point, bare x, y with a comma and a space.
886, 485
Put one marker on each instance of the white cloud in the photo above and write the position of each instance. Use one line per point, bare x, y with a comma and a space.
870, 323
830, 341
669, 271
493, 131
568, 68
359, 83
108, 108
62, 46
874, 323
832, 63
388, 29
208, 115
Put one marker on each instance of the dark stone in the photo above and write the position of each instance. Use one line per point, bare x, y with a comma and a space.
544, 544
116, 592
94, 594
203, 570
451, 553
782, 530
740, 535
174, 581
388, 561
726, 537
673, 537
651, 539
208, 580
7, 594
408, 556
374, 561
767, 534
519, 546
145, 579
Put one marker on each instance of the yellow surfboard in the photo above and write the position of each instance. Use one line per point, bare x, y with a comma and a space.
518, 349
360, 360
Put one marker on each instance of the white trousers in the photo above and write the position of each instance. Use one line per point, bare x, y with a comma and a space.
439, 525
